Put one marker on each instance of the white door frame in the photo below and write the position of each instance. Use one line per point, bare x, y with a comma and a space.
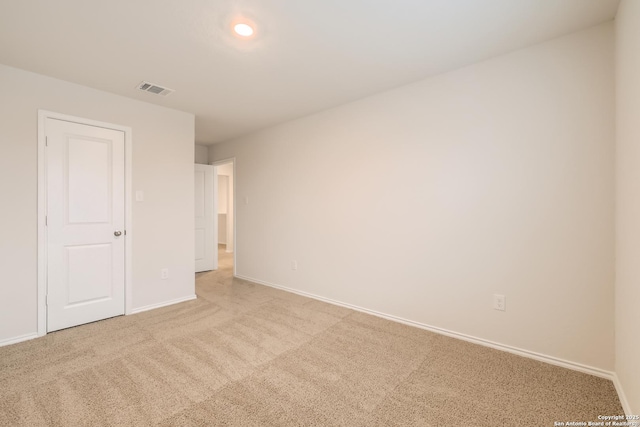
43, 115
217, 163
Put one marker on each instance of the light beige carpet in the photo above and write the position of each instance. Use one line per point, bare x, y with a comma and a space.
247, 355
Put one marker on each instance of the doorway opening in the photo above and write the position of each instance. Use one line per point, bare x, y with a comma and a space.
225, 231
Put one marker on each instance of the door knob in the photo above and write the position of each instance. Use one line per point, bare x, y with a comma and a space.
117, 233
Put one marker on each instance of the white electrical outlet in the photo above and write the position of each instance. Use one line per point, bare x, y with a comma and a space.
164, 273
499, 302
294, 265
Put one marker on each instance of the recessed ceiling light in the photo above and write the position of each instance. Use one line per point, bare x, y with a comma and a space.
244, 30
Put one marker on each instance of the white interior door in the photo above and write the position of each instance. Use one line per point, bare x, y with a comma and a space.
206, 218
85, 223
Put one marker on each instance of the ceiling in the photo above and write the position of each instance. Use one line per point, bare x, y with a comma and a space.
306, 56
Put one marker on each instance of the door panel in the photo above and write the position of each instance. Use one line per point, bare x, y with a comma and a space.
85, 207
88, 264
205, 220
88, 181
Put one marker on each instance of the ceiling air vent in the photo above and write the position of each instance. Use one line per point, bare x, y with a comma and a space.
154, 88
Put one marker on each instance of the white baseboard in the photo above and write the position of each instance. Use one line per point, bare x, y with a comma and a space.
27, 337
162, 304
16, 340
621, 395
510, 349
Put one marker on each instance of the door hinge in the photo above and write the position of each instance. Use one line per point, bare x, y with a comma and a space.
46, 220
46, 141
46, 299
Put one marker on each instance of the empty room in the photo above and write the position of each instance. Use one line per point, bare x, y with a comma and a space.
329, 213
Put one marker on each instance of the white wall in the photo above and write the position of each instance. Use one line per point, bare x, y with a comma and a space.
628, 201
162, 167
223, 199
202, 154
501, 181
223, 196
